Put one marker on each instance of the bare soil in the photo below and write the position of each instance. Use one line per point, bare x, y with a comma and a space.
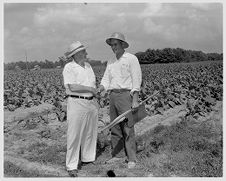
37, 148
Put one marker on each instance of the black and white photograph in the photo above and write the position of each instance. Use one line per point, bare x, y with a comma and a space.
112, 89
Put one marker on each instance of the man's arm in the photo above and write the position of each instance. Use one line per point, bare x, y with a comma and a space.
68, 79
136, 81
101, 88
81, 89
135, 99
105, 80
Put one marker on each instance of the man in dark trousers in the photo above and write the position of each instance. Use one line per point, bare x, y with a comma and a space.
122, 78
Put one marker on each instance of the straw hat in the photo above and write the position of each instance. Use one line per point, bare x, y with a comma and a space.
74, 48
118, 36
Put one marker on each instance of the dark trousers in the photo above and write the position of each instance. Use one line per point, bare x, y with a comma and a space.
122, 136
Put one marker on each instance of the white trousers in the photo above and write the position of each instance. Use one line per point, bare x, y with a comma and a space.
82, 119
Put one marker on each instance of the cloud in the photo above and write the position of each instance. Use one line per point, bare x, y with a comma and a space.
162, 10
6, 34
152, 10
168, 32
174, 21
201, 6
24, 30
8, 5
151, 27
121, 14
48, 29
49, 16
65, 14
162, 20
76, 21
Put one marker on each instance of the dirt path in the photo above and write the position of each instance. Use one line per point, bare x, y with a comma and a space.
40, 147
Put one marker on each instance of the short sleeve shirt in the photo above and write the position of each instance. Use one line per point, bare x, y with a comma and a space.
73, 73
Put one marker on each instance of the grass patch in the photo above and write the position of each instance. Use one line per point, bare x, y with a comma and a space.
11, 170
43, 153
184, 149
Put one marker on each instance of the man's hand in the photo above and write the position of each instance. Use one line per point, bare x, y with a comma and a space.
135, 103
135, 106
100, 89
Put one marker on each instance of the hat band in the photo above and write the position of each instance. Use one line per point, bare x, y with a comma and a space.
82, 46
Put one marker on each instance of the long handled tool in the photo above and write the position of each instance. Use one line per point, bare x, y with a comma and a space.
121, 117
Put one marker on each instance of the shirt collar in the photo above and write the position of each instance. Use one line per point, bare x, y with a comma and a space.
74, 63
123, 56
77, 65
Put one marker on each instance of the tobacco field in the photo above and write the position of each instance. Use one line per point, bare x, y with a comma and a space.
199, 85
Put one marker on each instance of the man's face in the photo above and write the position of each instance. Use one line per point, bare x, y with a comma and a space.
116, 46
82, 55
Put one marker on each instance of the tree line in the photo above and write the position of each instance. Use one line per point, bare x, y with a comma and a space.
150, 56
23, 65
171, 55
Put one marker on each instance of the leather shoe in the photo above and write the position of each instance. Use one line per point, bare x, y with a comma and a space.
131, 165
73, 173
87, 163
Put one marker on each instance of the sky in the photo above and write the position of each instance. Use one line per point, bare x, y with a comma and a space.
45, 30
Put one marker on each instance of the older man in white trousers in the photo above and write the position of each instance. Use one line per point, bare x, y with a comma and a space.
82, 109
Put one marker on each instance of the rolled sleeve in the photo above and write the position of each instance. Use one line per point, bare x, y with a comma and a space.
105, 80
136, 75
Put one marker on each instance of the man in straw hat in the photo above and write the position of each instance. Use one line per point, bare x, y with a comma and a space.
82, 109
122, 78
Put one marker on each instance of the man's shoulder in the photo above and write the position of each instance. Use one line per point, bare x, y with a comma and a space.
111, 61
87, 64
67, 66
130, 55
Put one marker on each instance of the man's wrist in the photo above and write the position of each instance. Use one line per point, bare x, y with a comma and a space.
102, 88
135, 96
134, 91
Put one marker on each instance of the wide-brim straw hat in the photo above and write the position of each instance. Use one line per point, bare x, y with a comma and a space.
74, 48
118, 36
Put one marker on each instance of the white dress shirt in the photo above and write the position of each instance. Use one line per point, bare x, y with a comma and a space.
73, 73
123, 73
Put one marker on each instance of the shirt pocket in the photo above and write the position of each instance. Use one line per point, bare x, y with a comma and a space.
113, 72
125, 70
